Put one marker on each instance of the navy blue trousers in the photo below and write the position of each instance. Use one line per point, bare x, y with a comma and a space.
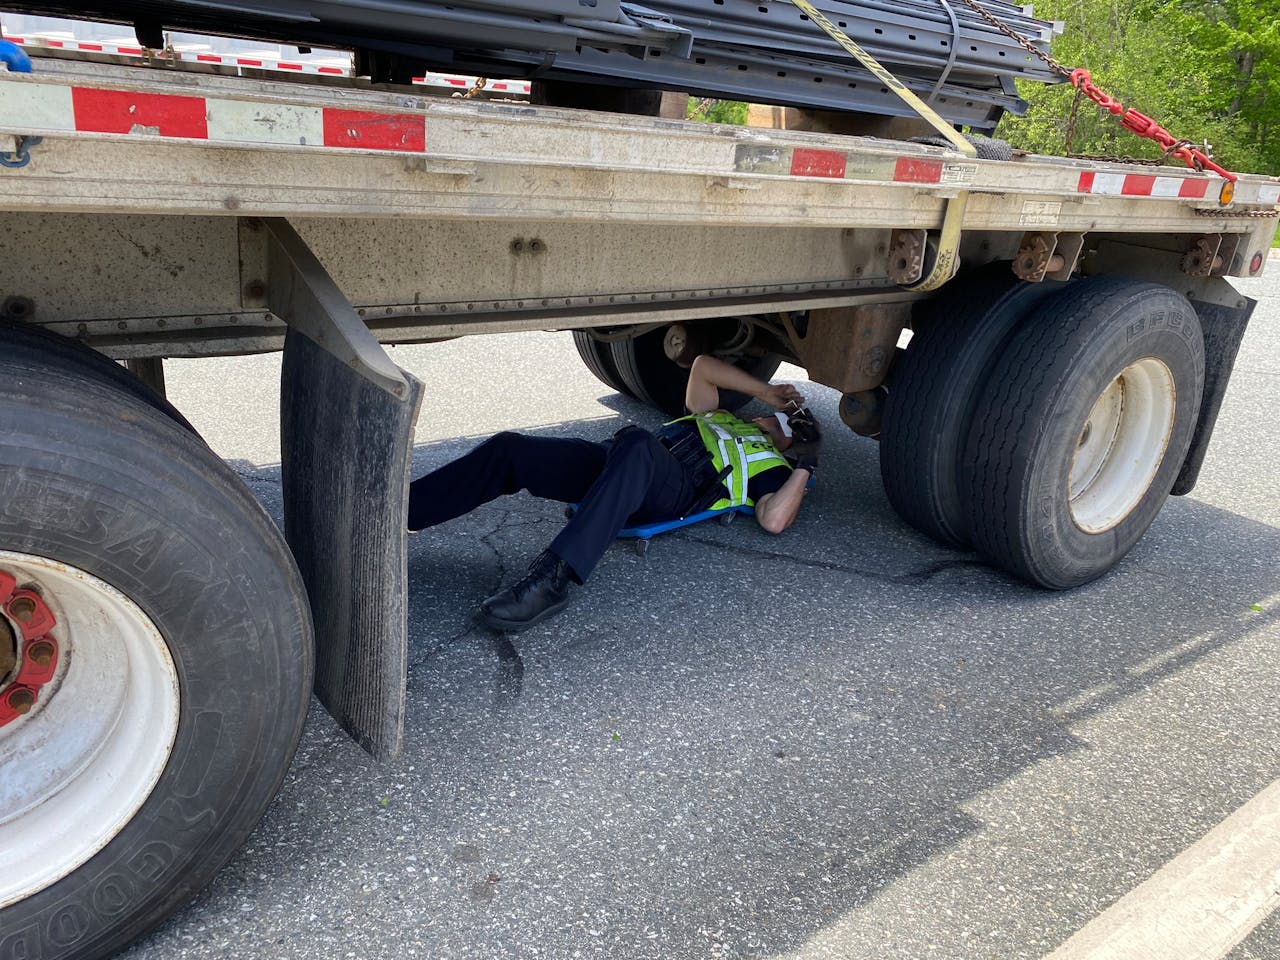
630, 479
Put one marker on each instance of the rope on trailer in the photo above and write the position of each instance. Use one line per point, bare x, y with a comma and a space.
955, 48
13, 57
20, 156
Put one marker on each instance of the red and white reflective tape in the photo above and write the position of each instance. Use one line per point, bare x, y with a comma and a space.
842, 165
515, 88
1142, 185
446, 81
93, 110
188, 56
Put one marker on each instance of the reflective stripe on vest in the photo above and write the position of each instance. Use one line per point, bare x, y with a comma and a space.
741, 446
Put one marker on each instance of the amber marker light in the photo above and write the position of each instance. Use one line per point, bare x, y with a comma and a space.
1227, 192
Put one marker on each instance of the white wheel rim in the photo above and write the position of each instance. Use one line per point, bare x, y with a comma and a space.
1121, 444
80, 764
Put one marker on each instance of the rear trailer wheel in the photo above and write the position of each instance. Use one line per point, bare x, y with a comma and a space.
1081, 431
935, 383
38, 348
155, 661
653, 378
598, 358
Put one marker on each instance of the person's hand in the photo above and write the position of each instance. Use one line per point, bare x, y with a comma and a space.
806, 439
782, 396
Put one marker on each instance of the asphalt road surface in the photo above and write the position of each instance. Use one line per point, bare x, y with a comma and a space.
845, 741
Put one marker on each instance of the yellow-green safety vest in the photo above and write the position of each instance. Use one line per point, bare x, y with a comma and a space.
744, 447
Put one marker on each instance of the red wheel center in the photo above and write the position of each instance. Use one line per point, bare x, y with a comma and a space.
27, 666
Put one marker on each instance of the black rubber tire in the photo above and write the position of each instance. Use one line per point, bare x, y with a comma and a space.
652, 378
95, 477
1029, 418
40, 347
933, 387
598, 358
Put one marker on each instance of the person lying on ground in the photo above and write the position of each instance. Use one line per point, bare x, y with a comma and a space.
706, 460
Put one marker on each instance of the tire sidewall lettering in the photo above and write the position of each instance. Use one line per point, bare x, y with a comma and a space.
68, 925
112, 895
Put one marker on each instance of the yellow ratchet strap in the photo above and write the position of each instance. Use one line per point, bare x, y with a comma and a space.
946, 262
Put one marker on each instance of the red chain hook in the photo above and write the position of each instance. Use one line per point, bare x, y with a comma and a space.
1144, 126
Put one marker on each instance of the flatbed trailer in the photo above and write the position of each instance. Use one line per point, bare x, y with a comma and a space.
160, 638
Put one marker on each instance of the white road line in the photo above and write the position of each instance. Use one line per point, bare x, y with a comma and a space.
1200, 904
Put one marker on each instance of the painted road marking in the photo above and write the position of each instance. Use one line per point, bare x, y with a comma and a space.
1200, 904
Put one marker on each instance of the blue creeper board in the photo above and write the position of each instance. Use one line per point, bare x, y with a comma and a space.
647, 531
641, 534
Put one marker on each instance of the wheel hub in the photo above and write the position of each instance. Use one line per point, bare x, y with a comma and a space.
1121, 444
34, 662
88, 716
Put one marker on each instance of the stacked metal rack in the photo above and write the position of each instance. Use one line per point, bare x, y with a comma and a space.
766, 51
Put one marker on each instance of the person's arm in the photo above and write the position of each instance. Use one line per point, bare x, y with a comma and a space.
776, 511
709, 375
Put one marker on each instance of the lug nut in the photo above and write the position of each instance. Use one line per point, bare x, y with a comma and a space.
41, 652
22, 608
21, 700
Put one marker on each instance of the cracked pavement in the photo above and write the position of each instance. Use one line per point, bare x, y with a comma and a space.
846, 741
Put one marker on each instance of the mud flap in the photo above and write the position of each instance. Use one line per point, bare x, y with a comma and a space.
346, 419
1223, 328
346, 457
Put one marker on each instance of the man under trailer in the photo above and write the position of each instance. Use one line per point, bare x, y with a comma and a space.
160, 639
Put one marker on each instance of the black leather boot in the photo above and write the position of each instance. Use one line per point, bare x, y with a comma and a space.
543, 593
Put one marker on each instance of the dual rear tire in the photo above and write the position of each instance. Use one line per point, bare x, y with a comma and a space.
1045, 431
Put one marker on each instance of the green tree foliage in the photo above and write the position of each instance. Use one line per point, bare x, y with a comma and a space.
1206, 70
717, 111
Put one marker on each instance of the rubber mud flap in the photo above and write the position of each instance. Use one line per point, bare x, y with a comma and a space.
1224, 329
346, 450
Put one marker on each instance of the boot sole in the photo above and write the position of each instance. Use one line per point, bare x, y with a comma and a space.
515, 626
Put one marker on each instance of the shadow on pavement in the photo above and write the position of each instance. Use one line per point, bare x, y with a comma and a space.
722, 748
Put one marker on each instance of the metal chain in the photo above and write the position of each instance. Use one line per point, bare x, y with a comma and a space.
476, 88
1104, 158
1130, 119
1235, 214
1151, 161
1017, 38
702, 107
1069, 137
